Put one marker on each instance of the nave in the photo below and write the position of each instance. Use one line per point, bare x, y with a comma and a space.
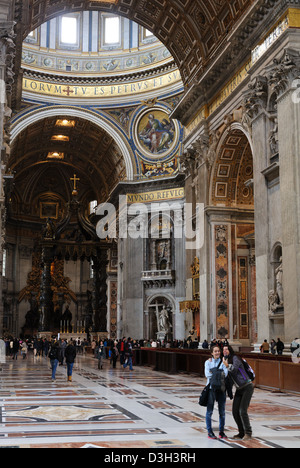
122, 409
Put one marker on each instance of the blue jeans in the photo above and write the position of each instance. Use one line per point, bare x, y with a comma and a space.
128, 362
220, 397
54, 364
70, 369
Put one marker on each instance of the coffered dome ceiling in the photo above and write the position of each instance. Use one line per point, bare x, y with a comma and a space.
98, 58
192, 30
99, 45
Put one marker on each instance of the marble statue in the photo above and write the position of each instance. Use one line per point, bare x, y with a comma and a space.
279, 282
163, 320
273, 301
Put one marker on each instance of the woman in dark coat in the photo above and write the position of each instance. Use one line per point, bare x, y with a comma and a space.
70, 355
53, 356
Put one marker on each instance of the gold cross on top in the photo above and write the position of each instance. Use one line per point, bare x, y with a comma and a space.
75, 179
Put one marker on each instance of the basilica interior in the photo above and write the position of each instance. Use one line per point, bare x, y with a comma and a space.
178, 118
149, 203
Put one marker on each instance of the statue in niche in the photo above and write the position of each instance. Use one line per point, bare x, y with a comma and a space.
163, 320
276, 296
163, 255
273, 138
279, 282
273, 301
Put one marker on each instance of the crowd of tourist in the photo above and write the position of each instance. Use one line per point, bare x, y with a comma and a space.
223, 370
41, 346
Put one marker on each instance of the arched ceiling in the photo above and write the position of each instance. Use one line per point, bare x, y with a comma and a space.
233, 171
192, 30
88, 151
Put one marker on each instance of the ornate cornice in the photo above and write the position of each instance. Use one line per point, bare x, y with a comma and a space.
104, 80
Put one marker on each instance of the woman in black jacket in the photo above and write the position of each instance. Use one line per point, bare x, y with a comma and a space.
54, 356
243, 395
70, 355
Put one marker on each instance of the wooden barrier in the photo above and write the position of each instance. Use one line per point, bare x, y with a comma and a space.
274, 372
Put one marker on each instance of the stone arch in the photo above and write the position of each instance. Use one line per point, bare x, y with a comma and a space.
231, 181
23, 121
151, 304
233, 233
276, 252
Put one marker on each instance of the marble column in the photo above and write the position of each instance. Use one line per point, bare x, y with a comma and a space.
255, 112
288, 105
46, 303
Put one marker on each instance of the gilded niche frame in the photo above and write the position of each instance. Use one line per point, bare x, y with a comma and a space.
49, 210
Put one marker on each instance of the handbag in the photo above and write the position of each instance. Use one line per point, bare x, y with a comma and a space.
203, 400
217, 381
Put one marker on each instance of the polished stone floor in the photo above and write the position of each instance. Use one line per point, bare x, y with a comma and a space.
123, 409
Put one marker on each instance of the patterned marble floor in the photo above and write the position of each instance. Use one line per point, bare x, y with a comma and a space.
122, 409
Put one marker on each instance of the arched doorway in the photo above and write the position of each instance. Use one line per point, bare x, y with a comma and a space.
160, 318
233, 239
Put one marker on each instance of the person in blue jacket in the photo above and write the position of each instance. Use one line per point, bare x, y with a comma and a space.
219, 395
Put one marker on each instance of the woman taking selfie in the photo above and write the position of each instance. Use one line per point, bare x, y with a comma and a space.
242, 377
216, 370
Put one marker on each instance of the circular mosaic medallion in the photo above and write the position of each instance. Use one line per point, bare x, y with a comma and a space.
156, 136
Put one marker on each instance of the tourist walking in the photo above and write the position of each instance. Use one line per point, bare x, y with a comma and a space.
99, 354
244, 392
40, 347
114, 354
24, 349
216, 370
121, 348
93, 346
15, 349
11, 347
70, 355
62, 350
128, 354
35, 346
54, 358
46, 347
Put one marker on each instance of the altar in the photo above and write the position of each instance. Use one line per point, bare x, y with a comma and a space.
72, 336
55, 309
49, 336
